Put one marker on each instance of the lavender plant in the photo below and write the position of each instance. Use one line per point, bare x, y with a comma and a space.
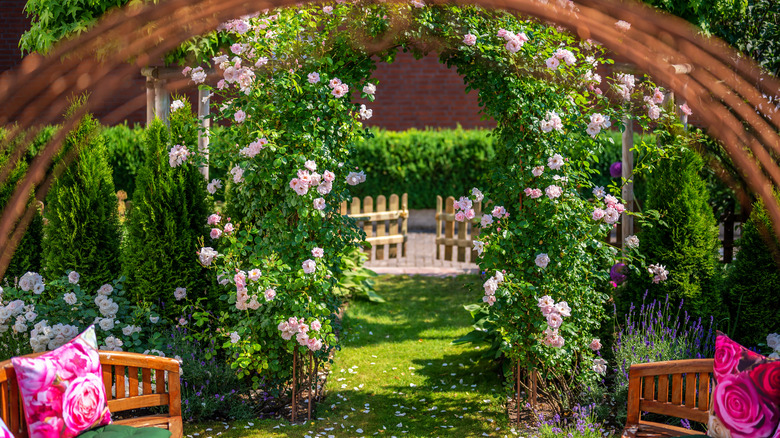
656, 332
581, 423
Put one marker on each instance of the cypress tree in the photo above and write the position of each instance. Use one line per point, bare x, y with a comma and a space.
27, 256
166, 219
686, 243
82, 232
752, 287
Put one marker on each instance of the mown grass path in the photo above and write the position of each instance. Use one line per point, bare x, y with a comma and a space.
398, 375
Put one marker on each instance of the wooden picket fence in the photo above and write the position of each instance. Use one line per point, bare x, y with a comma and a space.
386, 226
447, 228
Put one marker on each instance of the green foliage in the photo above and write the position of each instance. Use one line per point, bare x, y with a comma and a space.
124, 145
686, 242
752, 286
354, 280
28, 253
82, 232
751, 26
165, 222
446, 162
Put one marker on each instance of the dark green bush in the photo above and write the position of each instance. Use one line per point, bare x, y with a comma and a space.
446, 162
166, 219
752, 287
27, 256
125, 154
83, 232
686, 243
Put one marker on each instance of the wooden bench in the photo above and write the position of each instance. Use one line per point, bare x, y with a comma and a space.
678, 388
139, 392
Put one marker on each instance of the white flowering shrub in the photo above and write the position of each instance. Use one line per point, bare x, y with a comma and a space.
38, 316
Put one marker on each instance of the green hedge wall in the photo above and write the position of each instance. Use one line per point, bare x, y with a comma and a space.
125, 154
447, 162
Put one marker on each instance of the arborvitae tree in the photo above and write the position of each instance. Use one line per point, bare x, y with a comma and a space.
752, 287
686, 243
28, 254
166, 219
83, 231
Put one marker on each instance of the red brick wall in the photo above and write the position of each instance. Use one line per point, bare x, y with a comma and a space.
410, 94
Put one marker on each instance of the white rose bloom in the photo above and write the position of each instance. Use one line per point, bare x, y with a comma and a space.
38, 288
369, 89
600, 365
542, 260
30, 316
4, 315
632, 241
106, 324
73, 277
177, 105
234, 337
70, 298
154, 319
773, 341
3, 328
106, 290
180, 293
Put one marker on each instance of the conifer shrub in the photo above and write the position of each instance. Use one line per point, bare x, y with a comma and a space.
166, 219
28, 254
82, 232
752, 287
685, 241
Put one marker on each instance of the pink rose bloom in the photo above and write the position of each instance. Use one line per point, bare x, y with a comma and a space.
339, 92
610, 200
502, 33
552, 63
34, 375
554, 320
237, 48
335, 82
536, 193
302, 338
328, 176
658, 96
546, 301
316, 325
270, 294
314, 344
317, 252
300, 187
84, 403
563, 308
325, 187
228, 228
239, 116
653, 112
595, 344
499, 212
215, 233
255, 274
460, 216
727, 356
240, 280
620, 208
469, 39
309, 266
611, 215
319, 204
742, 409
49, 427
490, 299
327, 9
597, 214
311, 165
553, 191
686, 109
470, 213
487, 219
513, 45
186, 70
557, 341
622, 26
537, 171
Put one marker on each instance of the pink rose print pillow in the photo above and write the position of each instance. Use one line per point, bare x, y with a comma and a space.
4, 432
746, 399
62, 391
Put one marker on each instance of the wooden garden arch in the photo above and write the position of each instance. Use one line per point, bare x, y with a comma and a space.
727, 93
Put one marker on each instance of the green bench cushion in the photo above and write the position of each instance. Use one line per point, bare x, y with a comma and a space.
119, 431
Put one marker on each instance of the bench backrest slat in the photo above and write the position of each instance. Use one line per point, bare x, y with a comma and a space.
680, 389
124, 391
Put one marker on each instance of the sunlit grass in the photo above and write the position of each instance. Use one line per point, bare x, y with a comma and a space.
398, 373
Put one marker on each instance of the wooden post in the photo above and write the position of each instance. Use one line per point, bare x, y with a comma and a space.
439, 220
392, 249
626, 221
149, 100
381, 207
404, 222
533, 388
368, 226
449, 227
294, 382
203, 133
311, 384
162, 100
517, 390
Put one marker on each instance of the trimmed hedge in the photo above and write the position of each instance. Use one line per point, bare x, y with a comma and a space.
446, 162
124, 145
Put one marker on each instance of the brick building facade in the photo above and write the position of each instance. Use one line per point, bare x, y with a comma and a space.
411, 93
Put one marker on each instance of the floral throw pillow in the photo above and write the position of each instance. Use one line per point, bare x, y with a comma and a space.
62, 390
746, 399
4, 432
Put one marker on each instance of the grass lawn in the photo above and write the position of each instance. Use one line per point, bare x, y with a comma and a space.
397, 374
